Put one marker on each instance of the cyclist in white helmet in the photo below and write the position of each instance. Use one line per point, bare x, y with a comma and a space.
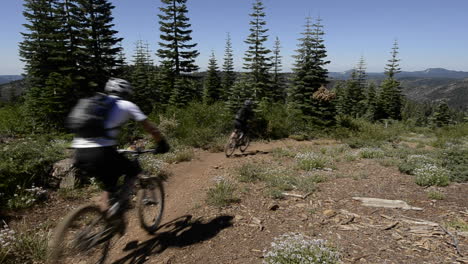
98, 156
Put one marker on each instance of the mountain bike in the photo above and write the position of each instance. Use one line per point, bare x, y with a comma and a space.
85, 235
239, 140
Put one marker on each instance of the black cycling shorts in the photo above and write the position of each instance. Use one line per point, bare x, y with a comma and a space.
106, 165
242, 126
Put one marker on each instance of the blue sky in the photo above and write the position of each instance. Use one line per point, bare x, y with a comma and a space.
430, 33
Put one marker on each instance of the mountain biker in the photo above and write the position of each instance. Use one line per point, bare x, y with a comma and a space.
98, 156
244, 114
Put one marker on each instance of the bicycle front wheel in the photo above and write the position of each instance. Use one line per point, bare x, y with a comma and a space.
245, 142
150, 203
83, 237
230, 147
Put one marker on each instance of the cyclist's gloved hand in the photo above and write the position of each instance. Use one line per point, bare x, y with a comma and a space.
163, 146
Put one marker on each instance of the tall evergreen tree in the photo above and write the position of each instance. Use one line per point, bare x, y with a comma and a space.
257, 59
442, 115
240, 91
228, 76
278, 89
212, 87
309, 69
141, 77
355, 91
42, 50
371, 101
101, 46
390, 100
176, 51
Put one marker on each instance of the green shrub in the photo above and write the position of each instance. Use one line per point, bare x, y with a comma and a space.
282, 153
198, 124
281, 121
179, 155
358, 133
292, 248
13, 121
455, 159
414, 162
371, 153
311, 160
222, 194
27, 161
431, 175
24, 198
454, 134
435, 195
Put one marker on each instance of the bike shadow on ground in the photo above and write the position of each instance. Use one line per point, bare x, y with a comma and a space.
180, 232
249, 153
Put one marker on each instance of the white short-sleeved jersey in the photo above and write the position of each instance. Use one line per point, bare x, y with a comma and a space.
121, 112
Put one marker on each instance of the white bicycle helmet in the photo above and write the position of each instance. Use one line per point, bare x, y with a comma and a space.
118, 87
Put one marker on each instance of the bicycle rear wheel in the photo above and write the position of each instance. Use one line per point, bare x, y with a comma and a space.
150, 203
230, 146
245, 142
83, 237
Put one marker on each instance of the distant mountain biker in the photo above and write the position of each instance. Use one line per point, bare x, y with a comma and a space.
98, 156
243, 115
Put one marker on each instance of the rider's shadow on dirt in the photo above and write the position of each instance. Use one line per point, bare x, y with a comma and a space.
249, 153
180, 232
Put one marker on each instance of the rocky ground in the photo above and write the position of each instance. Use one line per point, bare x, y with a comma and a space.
195, 232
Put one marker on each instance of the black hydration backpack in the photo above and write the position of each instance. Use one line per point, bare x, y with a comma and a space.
87, 118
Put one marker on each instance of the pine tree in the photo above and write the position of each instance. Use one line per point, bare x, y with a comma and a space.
176, 52
144, 95
257, 60
100, 43
229, 76
42, 50
39, 46
390, 100
278, 90
355, 97
309, 69
442, 115
240, 91
212, 87
371, 101
185, 91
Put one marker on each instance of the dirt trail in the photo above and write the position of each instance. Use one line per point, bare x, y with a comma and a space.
193, 232
185, 193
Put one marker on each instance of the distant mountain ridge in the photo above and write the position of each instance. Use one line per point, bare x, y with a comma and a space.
9, 78
428, 73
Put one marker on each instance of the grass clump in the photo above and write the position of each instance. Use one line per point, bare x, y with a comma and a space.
435, 195
179, 155
389, 162
458, 224
222, 194
28, 246
431, 175
297, 248
371, 153
283, 153
250, 172
311, 161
